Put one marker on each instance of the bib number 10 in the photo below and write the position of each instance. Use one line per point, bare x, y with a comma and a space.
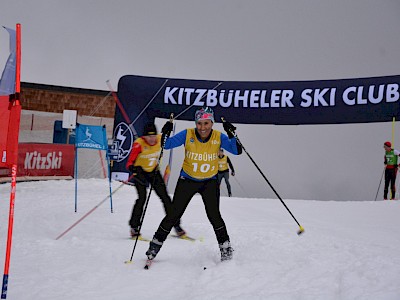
204, 168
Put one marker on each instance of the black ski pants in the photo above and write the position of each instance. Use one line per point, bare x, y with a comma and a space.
184, 192
225, 176
390, 180
142, 179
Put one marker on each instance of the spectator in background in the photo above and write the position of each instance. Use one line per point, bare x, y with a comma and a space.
224, 164
391, 156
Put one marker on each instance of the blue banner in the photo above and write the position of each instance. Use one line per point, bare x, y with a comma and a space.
359, 100
90, 136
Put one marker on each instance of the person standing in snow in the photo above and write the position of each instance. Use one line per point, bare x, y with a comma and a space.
224, 164
198, 175
390, 161
142, 162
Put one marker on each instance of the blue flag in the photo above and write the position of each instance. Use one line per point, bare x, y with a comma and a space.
7, 81
90, 136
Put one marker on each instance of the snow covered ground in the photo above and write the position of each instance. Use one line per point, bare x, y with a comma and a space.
349, 250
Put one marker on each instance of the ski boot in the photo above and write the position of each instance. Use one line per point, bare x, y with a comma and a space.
154, 248
135, 232
179, 231
226, 250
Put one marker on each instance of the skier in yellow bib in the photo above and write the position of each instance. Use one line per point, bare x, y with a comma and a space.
198, 175
224, 164
142, 162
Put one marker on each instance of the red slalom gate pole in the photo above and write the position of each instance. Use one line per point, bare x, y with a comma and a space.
10, 231
12, 140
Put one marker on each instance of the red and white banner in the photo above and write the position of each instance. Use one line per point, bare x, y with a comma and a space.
46, 160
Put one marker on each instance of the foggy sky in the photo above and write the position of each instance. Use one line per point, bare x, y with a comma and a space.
84, 43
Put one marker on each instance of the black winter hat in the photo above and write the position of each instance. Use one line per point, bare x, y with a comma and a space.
150, 129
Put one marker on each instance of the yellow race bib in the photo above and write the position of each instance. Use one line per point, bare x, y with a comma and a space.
201, 159
147, 159
223, 163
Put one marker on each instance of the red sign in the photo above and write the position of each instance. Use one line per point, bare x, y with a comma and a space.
46, 160
4, 118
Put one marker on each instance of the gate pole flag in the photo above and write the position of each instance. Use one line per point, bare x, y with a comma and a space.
10, 155
90, 137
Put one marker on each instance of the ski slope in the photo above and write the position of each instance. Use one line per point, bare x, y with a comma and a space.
349, 250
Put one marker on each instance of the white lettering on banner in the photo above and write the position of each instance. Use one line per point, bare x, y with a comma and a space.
40, 161
243, 98
188, 93
168, 95
212, 98
200, 95
279, 98
254, 98
317, 97
235, 98
89, 145
357, 95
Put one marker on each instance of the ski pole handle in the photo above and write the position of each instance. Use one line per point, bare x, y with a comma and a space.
166, 130
230, 129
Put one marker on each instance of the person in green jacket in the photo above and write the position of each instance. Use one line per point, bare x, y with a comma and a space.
391, 156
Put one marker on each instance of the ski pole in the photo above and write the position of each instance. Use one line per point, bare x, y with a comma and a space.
301, 229
379, 184
398, 186
163, 140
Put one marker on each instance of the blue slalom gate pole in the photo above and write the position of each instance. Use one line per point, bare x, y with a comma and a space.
109, 180
76, 179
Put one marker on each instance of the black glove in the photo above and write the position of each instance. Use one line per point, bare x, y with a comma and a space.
230, 129
135, 169
167, 128
233, 173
